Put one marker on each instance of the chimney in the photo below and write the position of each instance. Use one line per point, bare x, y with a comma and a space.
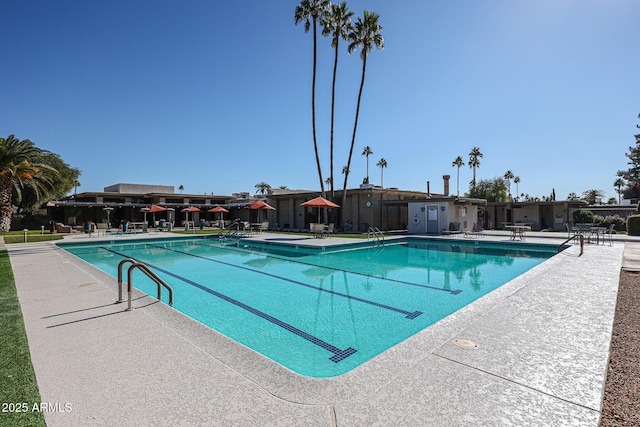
446, 184
428, 190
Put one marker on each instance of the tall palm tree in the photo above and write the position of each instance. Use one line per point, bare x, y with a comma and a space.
516, 180
19, 168
508, 176
618, 184
367, 151
181, 188
365, 33
382, 163
458, 162
336, 23
262, 187
474, 162
310, 11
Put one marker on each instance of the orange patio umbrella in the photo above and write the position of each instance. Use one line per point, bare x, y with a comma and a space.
189, 209
319, 202
218, 209
152, 209
262, 206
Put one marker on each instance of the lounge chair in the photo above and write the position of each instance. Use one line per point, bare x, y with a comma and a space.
61, 228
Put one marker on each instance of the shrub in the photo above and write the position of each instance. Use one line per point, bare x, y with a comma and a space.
633, 225
583, 216
618, 222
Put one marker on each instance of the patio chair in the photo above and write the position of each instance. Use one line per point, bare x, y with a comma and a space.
328, 231
264, 226
610, 233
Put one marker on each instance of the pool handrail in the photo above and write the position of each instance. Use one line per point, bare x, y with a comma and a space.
376, 233
148, 272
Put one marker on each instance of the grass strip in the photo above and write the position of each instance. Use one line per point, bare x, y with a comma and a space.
31, 238
18, 384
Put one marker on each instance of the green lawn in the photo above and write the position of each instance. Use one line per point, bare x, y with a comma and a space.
17, 378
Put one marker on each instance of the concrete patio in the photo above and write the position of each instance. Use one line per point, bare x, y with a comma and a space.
543, 351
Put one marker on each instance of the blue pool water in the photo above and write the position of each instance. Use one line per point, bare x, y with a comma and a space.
319, 311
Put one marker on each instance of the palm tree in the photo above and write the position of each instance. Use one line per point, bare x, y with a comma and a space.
336, 23
516, 180
19, 170
508, 176
262, 187
382, 163
181, 188
618, 183
306, 10
367, 151
474, 162
458, 162
592, 196
365, 33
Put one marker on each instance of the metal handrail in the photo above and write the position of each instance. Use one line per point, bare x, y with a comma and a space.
376, 233
580, 236
147, 271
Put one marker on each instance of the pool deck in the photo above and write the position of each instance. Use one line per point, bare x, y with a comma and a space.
543, 348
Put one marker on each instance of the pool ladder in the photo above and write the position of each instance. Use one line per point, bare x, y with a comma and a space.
147, 271
375, 233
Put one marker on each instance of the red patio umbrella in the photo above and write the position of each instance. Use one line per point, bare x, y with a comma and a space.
186, 212
153, 209
259, 204
221, 210
319, 202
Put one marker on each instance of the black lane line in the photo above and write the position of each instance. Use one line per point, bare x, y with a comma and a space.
451, 291
338, 354
408, 314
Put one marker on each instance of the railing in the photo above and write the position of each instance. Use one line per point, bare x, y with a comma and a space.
147, 271
375, 233
575, 236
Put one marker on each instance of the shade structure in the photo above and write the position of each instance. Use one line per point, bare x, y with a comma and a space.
218, 209
186, 213
221, 210
319, 202
261, 205
152, 209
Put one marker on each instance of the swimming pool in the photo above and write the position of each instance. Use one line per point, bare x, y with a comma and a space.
319, 311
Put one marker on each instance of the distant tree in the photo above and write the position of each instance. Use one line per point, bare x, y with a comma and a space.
632, 175
508, 176
337, 23
283, 187
328, 181
592, 196
553, 195
262, 187
382, 164
21, 166
76, 184
618, 184
181, 188
516, 181
367, 151
492, 190
458, 162
309, 11
365, 33
611, 201
573, 197
474, 162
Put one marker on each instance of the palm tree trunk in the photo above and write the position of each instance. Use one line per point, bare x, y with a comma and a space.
458, 183
6, 211
333, 99
313, 107
353, 137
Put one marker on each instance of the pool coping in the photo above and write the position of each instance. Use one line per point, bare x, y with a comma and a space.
540, 390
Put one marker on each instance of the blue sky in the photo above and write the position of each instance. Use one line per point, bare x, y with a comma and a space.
216, 95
